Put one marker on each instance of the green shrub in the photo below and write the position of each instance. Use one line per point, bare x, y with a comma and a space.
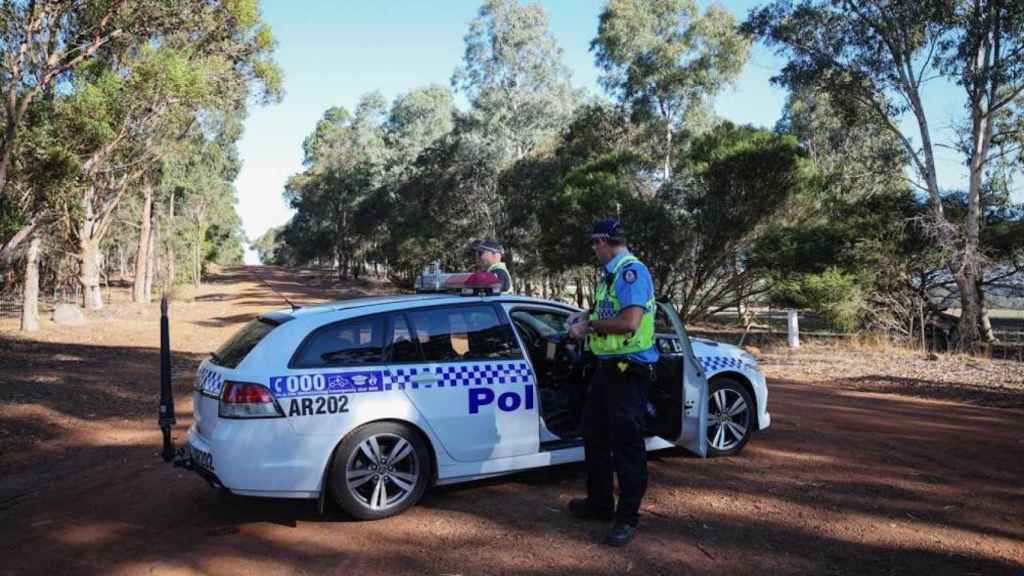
833, 294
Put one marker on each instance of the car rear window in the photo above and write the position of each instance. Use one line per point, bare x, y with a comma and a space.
231, 353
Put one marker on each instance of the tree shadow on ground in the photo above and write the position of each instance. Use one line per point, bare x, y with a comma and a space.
832, 458
514, 524
86, 381
877, 462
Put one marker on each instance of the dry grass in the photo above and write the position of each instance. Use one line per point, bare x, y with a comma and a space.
872, 364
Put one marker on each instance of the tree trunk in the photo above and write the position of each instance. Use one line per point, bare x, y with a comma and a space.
14, 241
987, 334
30, 300
930, 174
7, 145
142, 254
985, 325
89, 273
668, 149
970, 313
122, 262
197, 260
973, 273
150, 261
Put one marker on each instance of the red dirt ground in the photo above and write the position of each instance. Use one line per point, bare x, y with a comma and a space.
844, 482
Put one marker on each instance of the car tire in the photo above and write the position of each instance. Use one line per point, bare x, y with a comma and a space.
380, 470
730, 417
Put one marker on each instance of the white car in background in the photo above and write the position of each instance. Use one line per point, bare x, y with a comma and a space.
371, 401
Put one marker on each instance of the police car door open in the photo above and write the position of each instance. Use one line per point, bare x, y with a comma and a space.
682, 393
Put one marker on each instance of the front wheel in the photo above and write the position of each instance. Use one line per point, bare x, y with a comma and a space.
730, 417
380, 470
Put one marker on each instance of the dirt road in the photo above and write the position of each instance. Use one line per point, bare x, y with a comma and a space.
845, 482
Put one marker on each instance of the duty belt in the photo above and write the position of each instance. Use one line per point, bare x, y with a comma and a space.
629, 364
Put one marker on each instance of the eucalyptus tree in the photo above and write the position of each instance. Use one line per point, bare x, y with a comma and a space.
43, 44
665, 57
126, 108
521, 98
879, 57
514, 77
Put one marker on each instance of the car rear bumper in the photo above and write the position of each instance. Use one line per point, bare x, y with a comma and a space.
183, 460
185, 457
254, 461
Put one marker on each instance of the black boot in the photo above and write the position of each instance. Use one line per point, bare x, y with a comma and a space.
581, 508
620, 534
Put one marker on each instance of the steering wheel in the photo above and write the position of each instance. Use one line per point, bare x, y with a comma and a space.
568, 353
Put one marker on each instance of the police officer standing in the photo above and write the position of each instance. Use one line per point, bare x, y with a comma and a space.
488, 254
620, 333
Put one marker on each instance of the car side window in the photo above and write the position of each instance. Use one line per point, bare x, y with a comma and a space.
349, 343
403, 347
463, 333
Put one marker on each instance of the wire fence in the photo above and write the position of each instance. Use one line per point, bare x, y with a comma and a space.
11, 302
1007, 327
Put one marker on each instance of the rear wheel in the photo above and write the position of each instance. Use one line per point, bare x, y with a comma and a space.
380, 470
730, 417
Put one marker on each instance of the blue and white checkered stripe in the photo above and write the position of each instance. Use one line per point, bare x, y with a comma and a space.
398, 379
718, 363
209, 382
461, 374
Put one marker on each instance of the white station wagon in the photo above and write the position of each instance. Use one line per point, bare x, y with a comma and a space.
371, 401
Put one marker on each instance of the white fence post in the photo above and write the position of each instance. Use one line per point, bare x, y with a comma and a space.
793, 329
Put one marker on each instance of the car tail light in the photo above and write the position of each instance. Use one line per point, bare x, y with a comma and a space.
245, 400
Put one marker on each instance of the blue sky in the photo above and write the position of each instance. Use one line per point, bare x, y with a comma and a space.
334, 51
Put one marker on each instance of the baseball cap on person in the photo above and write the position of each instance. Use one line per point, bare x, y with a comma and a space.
608, 229
490, 246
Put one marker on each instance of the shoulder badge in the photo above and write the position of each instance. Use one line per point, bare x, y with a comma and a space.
629, 276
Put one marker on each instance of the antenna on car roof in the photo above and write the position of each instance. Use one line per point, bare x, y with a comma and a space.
274, 290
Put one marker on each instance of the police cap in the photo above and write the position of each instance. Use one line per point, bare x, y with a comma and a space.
490, 246
608, 229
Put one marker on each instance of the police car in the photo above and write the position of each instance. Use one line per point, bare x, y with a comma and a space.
371, 401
